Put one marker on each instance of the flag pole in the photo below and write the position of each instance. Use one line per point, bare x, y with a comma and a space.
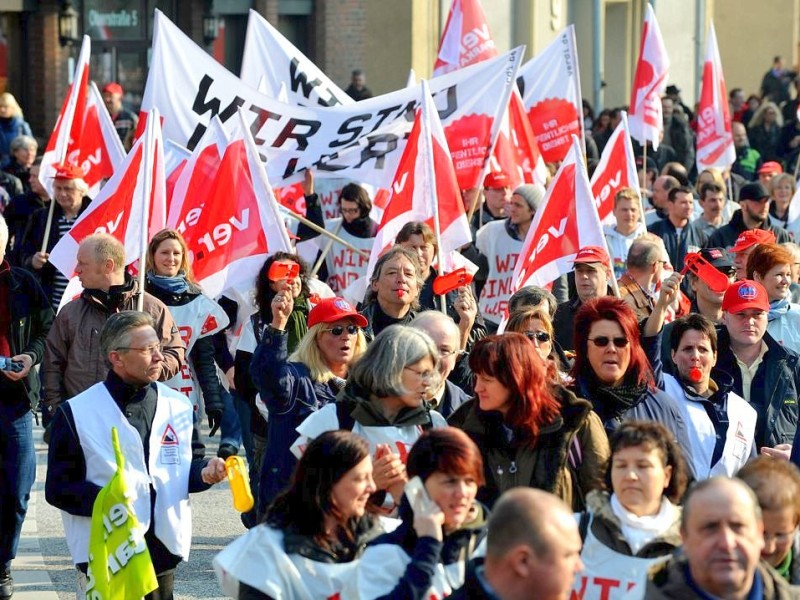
641, 199
152, 120
324, 253
321, 230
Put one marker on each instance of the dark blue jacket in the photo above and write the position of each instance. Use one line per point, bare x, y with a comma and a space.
290, 395
691, 236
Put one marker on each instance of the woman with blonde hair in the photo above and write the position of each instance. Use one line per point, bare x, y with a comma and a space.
12, 125
781, 191
764, 131
292, 387
169, 278
534, 323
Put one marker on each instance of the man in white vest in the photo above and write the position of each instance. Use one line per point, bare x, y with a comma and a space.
164, 455
720, 423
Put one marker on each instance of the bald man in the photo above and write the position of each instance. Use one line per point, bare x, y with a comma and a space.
722, 532
533, 550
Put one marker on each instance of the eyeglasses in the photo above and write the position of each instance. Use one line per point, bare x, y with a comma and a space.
340, 329
349, 211
152, 349
602, 341
449, 353
425, 376
542, 337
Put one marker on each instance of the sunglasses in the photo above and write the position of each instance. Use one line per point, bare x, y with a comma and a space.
602, 341
538, 336
339, 330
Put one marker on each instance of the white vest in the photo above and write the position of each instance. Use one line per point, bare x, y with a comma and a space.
199, 318
501, 250
344, 265
702, 436
259, 560
95, 413
608, 575
399, 439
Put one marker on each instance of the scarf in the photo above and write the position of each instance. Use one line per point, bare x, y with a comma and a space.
171, 285
297, 326
613, 402
778, 308
640, 531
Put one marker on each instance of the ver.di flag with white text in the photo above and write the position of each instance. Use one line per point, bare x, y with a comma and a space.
616, 170
363, 141
566, 222
645, 120
120, 567
714, 131
465, 40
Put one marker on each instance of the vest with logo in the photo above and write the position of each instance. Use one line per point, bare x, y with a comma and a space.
344, 265
502, 251
167, 470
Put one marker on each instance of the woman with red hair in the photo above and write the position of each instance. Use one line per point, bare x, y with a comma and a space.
771, 266
530, 430
612, 370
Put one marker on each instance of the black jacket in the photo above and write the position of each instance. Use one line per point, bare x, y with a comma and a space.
725, 236
691, 237
31, 319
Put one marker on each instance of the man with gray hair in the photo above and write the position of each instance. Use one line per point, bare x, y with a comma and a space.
25, 318
445, 334
533, 550
722, 531
69, 192
73, 361
637, 285
164, 455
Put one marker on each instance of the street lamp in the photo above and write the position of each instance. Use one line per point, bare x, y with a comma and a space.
210, 24
67, 24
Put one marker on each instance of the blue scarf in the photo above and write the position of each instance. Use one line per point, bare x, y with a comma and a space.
778, 308
172, 285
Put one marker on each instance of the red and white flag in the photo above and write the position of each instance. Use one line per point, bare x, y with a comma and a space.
231, 229
714, 134
425, 189
66, 136
175, 159
131, 206
516, 152
551, 92
616, 170
566, 222
645, 119
465, 40
101, 149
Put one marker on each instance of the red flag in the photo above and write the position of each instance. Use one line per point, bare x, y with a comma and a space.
465, 40
425, 188
566, 222
66, 136
232, 228
131, 206
516, 153
714, 135
175, 159
616, 170
551, 93
649, 83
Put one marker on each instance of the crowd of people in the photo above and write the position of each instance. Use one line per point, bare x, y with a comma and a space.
627, 432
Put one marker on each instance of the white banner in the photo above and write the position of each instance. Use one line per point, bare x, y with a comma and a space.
363, 141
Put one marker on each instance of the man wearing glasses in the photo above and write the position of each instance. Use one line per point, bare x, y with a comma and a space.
170, 461
72, 358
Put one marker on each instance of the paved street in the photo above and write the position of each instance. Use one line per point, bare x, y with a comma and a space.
43, 569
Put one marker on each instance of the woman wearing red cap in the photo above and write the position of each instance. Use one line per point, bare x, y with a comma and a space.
294, 386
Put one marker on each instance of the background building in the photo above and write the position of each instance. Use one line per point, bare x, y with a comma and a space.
387, 39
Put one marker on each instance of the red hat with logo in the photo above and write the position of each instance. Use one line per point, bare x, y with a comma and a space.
331, 310
745, 294
593, 254
496, 181
67, 171
771, 167
113, 88
751, 237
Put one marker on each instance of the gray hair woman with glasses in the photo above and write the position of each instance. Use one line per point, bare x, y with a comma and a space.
294, 386
385, 401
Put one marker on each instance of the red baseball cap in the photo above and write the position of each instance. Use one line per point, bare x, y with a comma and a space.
496, 181
745, 294
751, 237
593, 254
330, 310
113, 88
67, 171
771, 167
